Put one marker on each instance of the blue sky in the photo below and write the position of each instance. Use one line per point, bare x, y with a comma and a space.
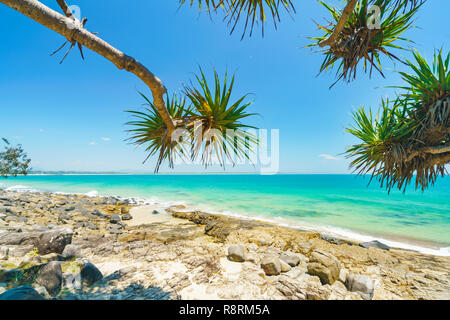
71, 116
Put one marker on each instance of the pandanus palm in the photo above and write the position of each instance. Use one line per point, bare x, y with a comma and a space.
209, 123
361, 39
411, 136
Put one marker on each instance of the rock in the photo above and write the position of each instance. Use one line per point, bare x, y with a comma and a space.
155, 212
124, 210
72, 281
343, 274
325, 266
111, 208
115, 218
126, 216
236, 252
54, 241
90, 274
43, 292
71, 251
330, 239
284, 266
291, 259
338, 291
9, 275
374, 244
21, 293
50, 277
4, 253
271, 265
360, 284
91, 226
97, 213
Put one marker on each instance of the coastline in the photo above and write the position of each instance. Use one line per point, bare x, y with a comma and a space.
395, 241
185, 254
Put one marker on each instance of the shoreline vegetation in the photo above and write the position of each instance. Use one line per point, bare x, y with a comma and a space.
70, 246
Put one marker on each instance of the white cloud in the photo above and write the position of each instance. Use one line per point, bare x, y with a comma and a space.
106, 139
41, 130
328, 157
92, 143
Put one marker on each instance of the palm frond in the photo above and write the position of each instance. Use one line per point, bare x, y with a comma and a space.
251, 11
150, 130
357, 42
219, 121
395, 145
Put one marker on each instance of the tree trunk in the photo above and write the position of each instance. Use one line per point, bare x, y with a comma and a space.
73, 31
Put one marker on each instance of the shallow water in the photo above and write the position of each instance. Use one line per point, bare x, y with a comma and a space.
342, 204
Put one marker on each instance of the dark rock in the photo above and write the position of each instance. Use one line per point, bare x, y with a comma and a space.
115, 218
330, 239
71, 251
50, 277
21, 293
97, 213
10, 275
374, 244
90, 274
54, 241
155, 212
127, 216
71, 208
236, 253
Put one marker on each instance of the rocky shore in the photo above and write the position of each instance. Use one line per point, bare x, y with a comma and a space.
75, 247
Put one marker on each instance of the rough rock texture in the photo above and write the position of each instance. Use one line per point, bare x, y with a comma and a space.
271, 265
50, 277
291, 259
360, 284
236, 252
325, 266
53, 241
374, 244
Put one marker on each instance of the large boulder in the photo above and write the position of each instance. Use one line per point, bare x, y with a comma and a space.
325, 266
360, 284
21, 293
50, 277
271, 265
53, 241
236, 252
90, 274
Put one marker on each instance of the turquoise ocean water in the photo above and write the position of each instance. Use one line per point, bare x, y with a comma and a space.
340, 204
